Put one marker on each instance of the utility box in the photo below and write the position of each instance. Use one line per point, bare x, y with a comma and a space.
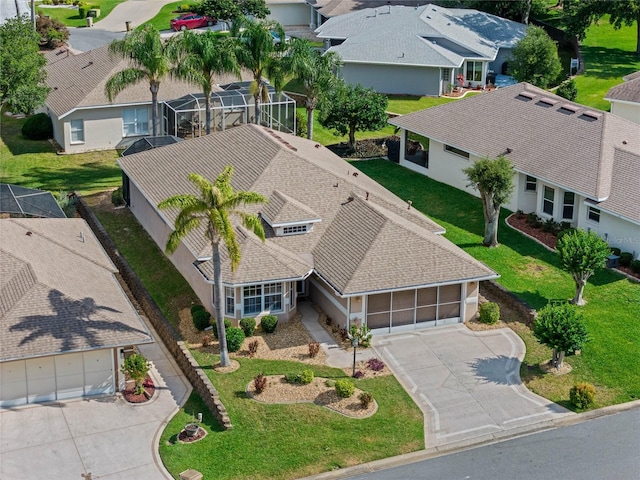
89, 21
613, 261
191, 475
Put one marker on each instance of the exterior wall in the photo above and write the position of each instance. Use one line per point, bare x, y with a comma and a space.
504, 54
393, 79
58, 128
524, 200
630, 111
616, 231
294, 13
334, 306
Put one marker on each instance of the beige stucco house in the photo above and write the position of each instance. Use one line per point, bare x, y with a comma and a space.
65, 322
332, 234
625, 98
574, 164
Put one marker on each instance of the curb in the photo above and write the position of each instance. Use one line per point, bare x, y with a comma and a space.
434, 452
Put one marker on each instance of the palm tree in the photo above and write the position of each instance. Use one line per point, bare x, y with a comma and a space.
149, 61
316, 73
213, 208
258, 51
199, 58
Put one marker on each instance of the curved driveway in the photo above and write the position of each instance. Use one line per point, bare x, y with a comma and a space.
467, 383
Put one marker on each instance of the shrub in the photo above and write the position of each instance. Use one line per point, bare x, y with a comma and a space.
235, 337
116, 197
344, 388
306, 377
635, 266
38, 127
375, 364
344, 335
253, 348
301, 125
625, 259
269, 323
260, 383
248, 326
136, 367
534, 220
207, 340
362, 333
330, 383
615, 251
291, 377
568, 90
82, 10
489, 313
551, 226
365, 399
328, 321
201, 317
359, 374
227, 325
314, 348
564, 226
582, 395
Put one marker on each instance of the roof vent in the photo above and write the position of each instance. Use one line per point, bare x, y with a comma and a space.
590, 115
568, 109
526, 97
429, 17
546, 102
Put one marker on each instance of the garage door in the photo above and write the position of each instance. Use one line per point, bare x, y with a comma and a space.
61, 377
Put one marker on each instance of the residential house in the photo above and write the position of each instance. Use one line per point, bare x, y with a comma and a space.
323, 10
290, 12
332, 234
420, 50
573, 163
625, 98
65, 322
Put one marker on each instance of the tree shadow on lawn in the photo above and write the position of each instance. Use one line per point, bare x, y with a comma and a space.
89, 176
609, 63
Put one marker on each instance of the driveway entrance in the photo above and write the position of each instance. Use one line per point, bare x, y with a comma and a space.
467, 383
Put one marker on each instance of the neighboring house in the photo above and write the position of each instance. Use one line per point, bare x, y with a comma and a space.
625, 98
322, 10
332, 234
420, 50
574, 164
65, 322
290, 12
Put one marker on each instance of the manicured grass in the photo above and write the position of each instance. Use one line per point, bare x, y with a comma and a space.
70, 16
35, 164
164, 16
533, 273
290, 441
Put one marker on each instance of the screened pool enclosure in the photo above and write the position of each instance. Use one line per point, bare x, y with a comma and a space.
185, 117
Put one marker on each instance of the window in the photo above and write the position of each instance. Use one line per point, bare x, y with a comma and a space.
456, 151
446, 75
594, 214
547, 202
252, 299
262, 298
294, 229
135, 121
567, 207
273, 297
474, 72
531, 184
77, 131
230, 301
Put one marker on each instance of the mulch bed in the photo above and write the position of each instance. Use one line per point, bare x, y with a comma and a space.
149, 389
520, 223
184, 438
370, 148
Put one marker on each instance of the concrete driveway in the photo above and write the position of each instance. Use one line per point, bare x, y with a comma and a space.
102, 436
467, 383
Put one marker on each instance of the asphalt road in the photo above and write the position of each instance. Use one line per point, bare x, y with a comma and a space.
603, 448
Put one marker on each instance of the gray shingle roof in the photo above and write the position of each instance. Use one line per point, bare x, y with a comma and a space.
574, 147
283, 209
428, 35
629, 91
334, 8
58, 292
312, 176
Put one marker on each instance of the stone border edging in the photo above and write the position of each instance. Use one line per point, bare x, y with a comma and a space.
178, 349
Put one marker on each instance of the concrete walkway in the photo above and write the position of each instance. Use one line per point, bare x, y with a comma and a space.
102, 436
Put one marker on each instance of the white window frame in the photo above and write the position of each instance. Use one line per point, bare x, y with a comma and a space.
530, 181
545, 200
229, 301
596, 213
565, 205
446, 75
295, 229
473, 70
456, 151
137, 123
75, 131
264, 296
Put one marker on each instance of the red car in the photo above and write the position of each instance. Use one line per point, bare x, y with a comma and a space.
191, 20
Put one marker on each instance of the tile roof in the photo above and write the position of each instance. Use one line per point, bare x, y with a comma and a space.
550, 138
78, 81
426, 35
58, 292
309, 175
629, 91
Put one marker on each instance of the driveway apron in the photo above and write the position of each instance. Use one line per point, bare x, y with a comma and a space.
467, 383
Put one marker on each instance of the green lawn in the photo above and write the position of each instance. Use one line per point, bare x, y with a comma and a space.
610, 361
35, 164
290, 441
69, 14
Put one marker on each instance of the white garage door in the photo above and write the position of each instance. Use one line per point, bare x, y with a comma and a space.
56, 378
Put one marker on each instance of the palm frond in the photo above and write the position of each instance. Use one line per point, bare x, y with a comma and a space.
121, 80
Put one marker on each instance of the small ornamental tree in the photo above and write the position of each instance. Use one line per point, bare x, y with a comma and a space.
568, 90
494, 180
348, 109
561, 328
136, 367
534, 59
581, 254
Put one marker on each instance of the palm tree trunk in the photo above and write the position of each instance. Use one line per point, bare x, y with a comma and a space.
310, 123
207, 115
218, 303
154, 87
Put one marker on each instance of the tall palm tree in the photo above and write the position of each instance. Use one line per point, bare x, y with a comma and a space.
149, 61
213, 208
199, 58
258, 51
315, 71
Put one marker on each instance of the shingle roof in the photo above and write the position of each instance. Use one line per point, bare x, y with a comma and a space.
629, 91
550, 138
428, 35
334, 8
312, 176
283, 209
78, 81
58, 292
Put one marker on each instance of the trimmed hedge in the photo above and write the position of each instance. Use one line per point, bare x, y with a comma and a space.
235, 337
248, 326
489, 313
269, 323
227, 326
344, 388
38, 127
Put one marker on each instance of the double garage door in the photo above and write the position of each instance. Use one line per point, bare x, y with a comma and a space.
57, 377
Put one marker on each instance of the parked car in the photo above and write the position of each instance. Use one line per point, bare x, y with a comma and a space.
276, 37
191, 20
